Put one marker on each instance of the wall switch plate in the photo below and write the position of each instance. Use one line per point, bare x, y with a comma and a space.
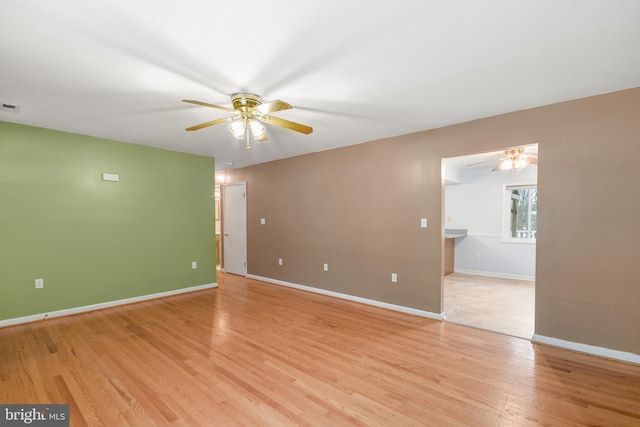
423, 222
39, 283
194, 265
263, 221
279, 261
326, 267
111, 177
394, 277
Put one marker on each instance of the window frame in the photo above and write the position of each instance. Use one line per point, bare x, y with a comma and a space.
506, 214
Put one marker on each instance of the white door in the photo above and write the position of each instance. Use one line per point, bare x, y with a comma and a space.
235, 228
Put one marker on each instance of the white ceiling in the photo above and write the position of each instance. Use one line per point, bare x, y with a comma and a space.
354, 70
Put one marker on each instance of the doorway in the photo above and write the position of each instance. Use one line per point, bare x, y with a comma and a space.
218, 227
234, 228
492, 285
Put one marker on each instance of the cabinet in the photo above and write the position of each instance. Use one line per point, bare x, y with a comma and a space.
450, 236
449, 255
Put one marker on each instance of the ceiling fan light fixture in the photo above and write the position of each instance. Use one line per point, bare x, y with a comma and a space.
515, 160
520, 163
237, 129
505, 165
515, 164
257, 129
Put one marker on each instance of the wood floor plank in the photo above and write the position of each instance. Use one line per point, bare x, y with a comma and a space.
251, 353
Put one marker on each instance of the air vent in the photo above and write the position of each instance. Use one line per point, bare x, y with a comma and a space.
10, 108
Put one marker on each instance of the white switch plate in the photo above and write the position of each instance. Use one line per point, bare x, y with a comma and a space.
263, 221
394, 277
111, 177
279, 261
194, 265
326, 267
39, 283
423, 222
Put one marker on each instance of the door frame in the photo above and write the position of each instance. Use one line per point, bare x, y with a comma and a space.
444, 222
225, 214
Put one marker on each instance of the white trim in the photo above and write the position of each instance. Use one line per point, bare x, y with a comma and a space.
102, 305
492, 274
480, 234
586, 348
375, 303
518, 241
502, 238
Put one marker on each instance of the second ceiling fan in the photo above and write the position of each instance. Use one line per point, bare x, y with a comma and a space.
516, 159
513, 159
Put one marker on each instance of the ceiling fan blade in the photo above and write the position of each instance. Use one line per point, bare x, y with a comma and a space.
479, 163
270, 107
286, 124
211, 123
204, 104
533, 160
262, 138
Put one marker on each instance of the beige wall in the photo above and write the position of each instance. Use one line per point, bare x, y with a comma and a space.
358, 208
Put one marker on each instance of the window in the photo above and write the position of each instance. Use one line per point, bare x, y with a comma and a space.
520, 216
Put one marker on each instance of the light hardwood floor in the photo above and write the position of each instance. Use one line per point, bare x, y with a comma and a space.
250, 353
491, 303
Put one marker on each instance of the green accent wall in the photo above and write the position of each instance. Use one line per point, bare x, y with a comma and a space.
95, 241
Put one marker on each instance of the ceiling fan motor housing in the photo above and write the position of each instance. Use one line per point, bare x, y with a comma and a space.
245, 101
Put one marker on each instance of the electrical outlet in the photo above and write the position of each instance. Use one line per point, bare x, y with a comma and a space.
194, 265
39, 283
279, 261
326, 267
394, 277
477, 253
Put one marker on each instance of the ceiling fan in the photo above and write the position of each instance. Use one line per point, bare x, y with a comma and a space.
249, 112
514, 159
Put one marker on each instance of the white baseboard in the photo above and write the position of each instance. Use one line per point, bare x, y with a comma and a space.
102, 305
394, 307
590, 349
500, 275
